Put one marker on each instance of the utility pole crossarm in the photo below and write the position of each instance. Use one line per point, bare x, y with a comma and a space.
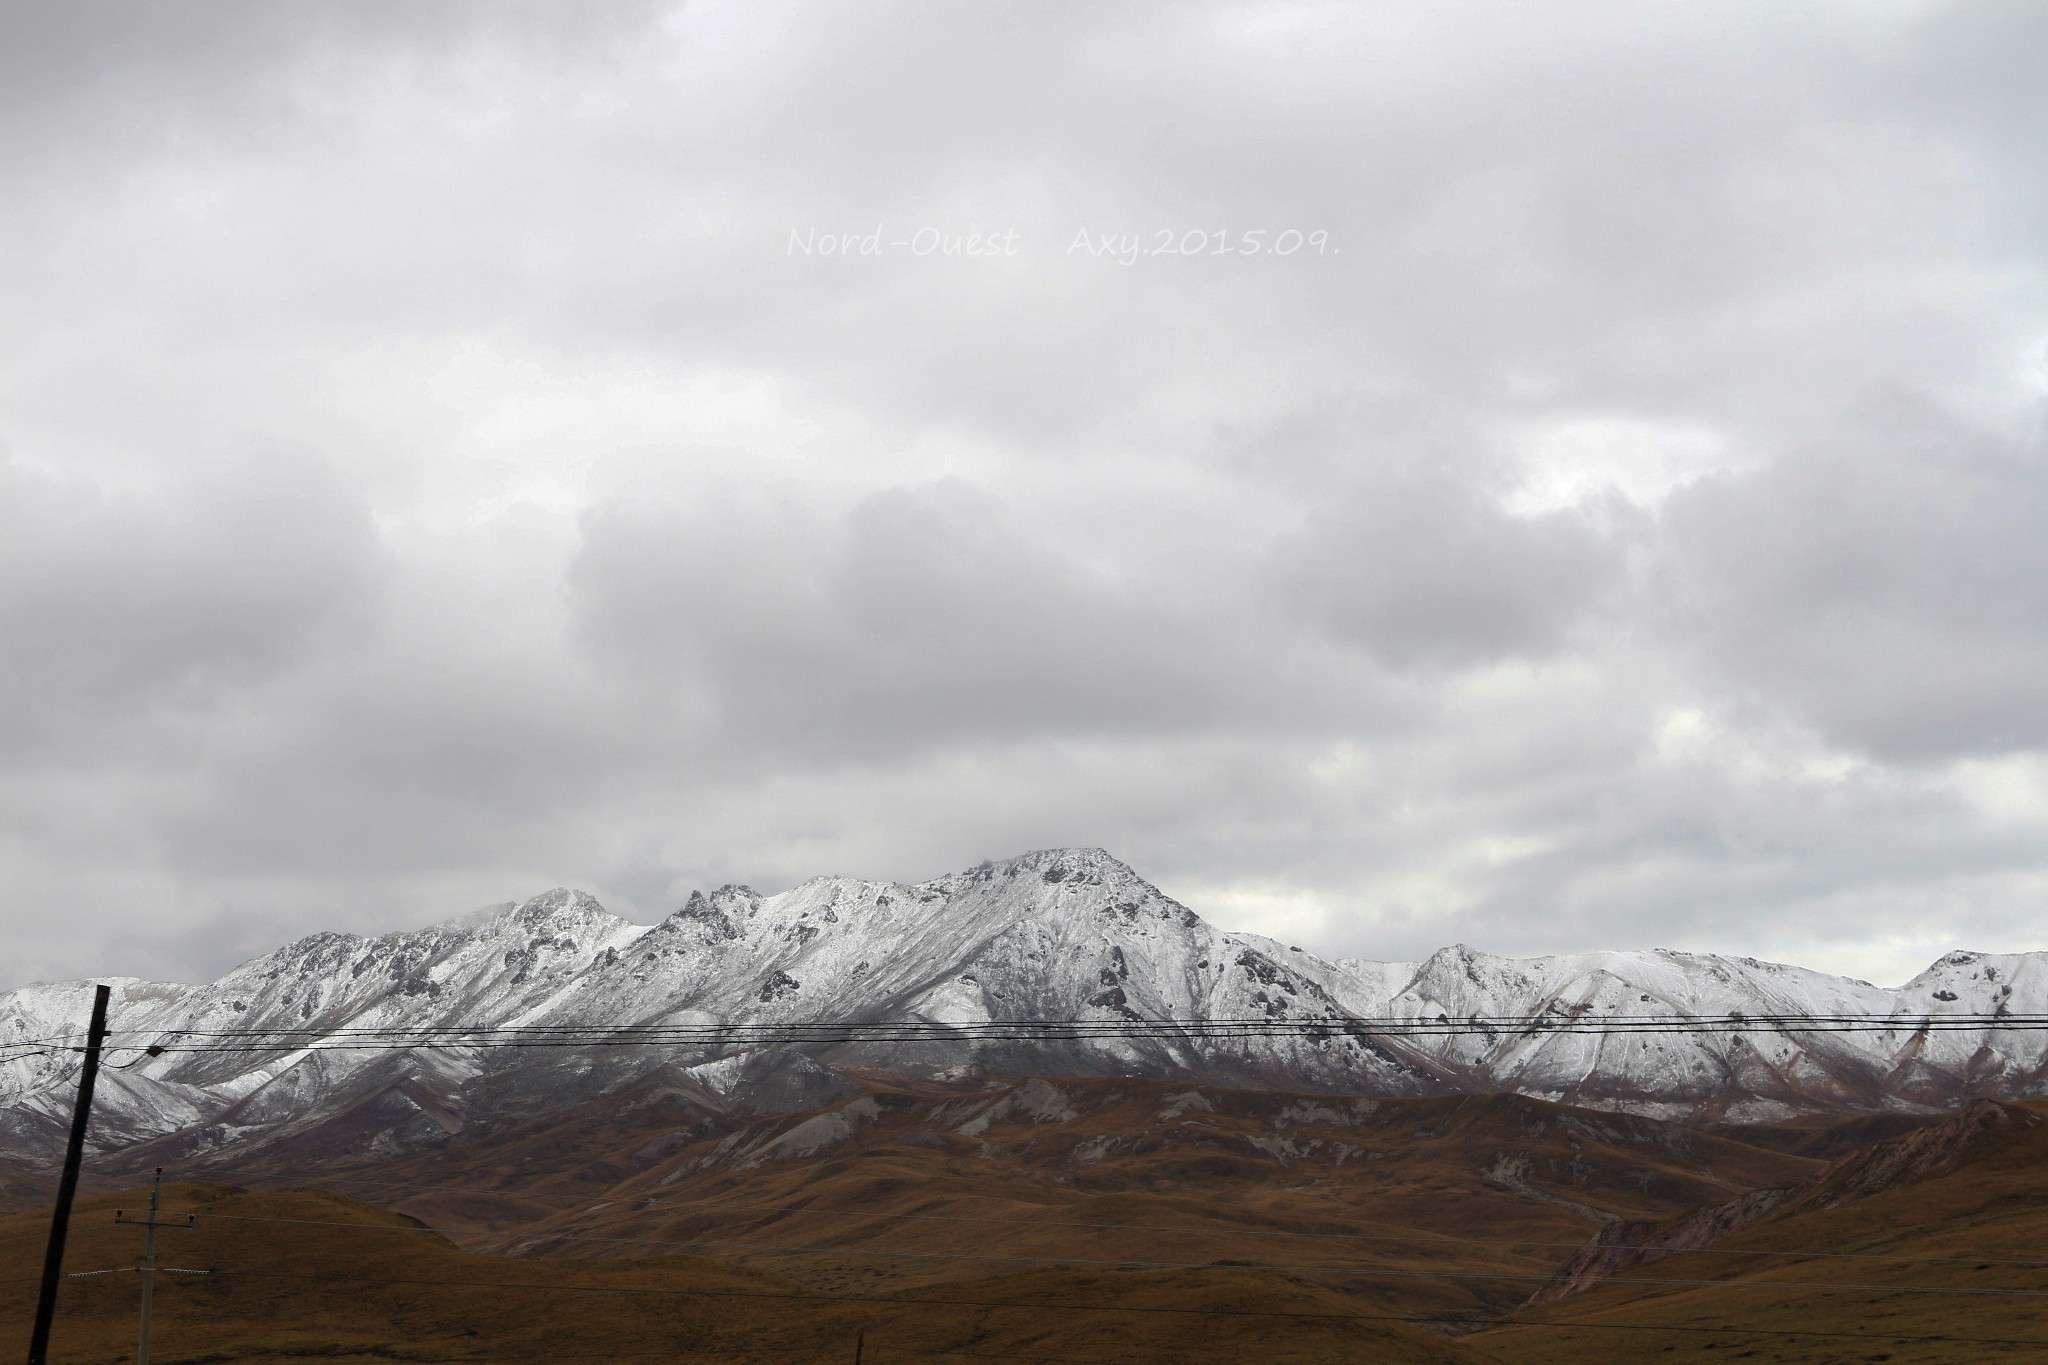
147, 1260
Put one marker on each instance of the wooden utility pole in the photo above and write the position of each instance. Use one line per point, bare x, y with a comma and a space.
67, 1185
149, 1226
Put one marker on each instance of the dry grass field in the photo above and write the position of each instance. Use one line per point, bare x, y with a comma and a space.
309, 1276
1094, 1221
1916, 1252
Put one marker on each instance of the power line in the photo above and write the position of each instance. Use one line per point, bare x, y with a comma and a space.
1361, 1271
67, 1184
1056, 1030
1364, 1273
671, 1352
147, 1264
1411, 1239
1210, 1311
1419, 1239
1568, 1022
874, 1253
1361, 1029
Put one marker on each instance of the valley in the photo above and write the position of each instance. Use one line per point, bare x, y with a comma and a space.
1037, 1111
1094, 1219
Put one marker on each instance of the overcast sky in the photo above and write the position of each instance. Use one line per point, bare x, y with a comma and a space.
1579, 481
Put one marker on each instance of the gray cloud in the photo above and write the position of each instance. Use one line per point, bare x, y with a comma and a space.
915, 620
1431, 570
1620, 530
115, 604
1890, 587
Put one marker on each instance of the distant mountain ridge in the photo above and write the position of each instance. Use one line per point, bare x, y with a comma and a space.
1058, 934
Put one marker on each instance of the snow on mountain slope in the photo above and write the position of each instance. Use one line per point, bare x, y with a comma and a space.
1061, 934
1739, 1075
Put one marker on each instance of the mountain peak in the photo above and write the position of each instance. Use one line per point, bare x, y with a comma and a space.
1078, 866
1052, 935
1073, 860
562, 903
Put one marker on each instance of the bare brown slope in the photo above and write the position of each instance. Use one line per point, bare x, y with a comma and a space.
1831, 1140
302, 1276
1924, 1152
1437, 1206
1926, 1247
1133, 1135
1152, 1171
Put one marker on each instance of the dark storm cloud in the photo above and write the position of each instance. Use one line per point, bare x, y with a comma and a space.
1621, 532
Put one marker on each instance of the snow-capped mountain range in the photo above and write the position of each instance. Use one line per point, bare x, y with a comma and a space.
1061, 934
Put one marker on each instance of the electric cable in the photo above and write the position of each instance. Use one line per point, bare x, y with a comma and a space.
1205, 1311
1363, 1272
1412, 1239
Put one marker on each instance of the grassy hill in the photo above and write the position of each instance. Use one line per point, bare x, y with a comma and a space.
1102, 1221
1931, 1246
310, 1276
